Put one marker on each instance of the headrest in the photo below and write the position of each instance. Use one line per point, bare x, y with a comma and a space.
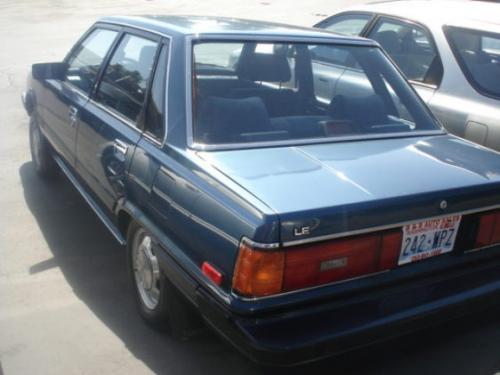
389, 40
146, 59
225, 119
267, 67
363, 111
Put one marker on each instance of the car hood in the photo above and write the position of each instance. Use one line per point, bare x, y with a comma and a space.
338, 187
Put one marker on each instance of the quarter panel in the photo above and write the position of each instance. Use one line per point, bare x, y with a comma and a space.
202, 216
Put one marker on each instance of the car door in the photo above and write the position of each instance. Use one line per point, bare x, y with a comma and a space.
412, 48
110, 122
64, 99
149, 153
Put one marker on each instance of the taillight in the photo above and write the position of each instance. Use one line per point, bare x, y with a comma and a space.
258, 272
340, 259
488, 232
262, 272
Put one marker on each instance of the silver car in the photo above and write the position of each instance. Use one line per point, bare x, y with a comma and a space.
448, 50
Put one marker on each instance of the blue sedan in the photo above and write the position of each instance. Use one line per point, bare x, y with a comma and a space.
299, 221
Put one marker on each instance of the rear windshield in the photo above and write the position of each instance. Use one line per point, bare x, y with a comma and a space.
478, 53
251, 92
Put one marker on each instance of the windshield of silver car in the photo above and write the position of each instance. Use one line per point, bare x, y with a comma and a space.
252, 92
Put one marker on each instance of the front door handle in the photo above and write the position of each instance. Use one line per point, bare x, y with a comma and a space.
73, 115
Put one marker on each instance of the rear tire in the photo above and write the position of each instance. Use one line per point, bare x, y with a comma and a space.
41, 153
160, 304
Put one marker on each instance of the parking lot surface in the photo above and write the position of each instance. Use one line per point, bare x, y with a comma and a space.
65, 303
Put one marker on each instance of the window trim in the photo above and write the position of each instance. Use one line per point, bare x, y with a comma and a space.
121, 27
93, 28
197, 146
163, 37
164, 45
125, 32
381, 16
323, 24
463, 67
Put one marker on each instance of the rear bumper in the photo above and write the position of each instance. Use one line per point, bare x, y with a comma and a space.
316, 331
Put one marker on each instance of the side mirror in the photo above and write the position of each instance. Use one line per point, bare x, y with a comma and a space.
44, 71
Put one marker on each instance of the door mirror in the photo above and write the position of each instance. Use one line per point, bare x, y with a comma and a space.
46, 71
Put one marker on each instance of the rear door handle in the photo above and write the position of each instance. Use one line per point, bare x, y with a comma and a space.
73, 115
120, 147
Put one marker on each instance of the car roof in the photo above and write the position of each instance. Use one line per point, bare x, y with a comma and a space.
223, 26
480, 14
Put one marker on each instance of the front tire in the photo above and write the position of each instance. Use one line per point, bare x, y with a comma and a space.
41, 153
160, 304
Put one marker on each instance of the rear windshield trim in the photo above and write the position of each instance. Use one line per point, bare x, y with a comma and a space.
191, 40
237, 146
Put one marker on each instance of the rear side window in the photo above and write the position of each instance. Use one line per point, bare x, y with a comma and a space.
412, 49
85, 61
124, 83
155, 112
478, 54
349, 24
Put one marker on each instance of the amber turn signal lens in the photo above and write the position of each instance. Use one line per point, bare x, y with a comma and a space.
258, 273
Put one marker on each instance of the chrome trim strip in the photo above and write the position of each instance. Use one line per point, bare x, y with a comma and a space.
77, 90
260, 245
496, 244
423, 84
289, 143
383, 227
242, 298
98, 211
116, 115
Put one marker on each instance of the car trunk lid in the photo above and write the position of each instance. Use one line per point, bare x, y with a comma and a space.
328, 190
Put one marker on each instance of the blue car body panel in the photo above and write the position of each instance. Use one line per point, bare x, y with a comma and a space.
339, 187
198, 205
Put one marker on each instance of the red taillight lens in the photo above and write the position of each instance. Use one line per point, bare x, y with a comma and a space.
266, 272
489, 229
341, 259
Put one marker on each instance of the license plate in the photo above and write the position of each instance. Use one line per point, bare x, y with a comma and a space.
428, 238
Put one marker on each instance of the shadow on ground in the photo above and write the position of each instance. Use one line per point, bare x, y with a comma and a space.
94, 265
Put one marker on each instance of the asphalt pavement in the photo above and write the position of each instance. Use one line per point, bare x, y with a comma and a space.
65, 304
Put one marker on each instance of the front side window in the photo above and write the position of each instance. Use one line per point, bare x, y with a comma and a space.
280, 92
85, 62
348, 24
124, 83
478, 53
412, 49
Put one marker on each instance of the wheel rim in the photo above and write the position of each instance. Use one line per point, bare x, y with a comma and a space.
146, 270
37, 145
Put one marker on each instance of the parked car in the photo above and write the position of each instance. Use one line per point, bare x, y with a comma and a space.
450, 52
296, 224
